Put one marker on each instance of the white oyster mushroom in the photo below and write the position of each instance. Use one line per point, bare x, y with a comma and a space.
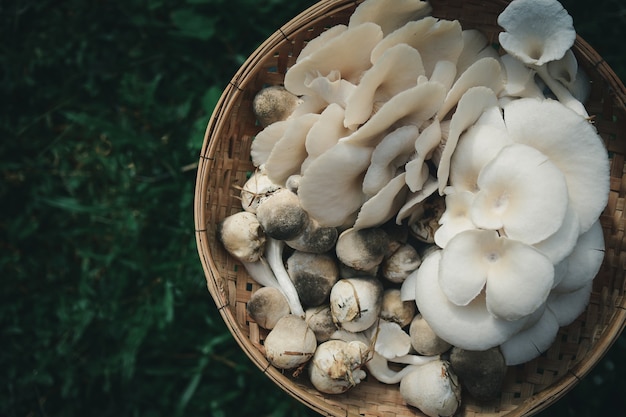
338, 54
444, 73
424, 223
475, 148
585, 260
520, 80
522, 193
383, 206
436, 40
396, 70
470, 327
409, 107
290, 343
265, 141
415, 199
390, 341
325, 133
567, 307
561, 243
289, 151
516, 277
567, 72
486, 72
392, 153
433, 388
531, 342
331, 88
336, 366
389, 14
572, 144
527, 37
330, 190
475, 47
428, 140
320, 41
469, 109
355, 303
456, 218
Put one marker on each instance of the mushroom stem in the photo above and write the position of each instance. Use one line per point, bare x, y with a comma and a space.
560, 91
274, 256
378, 367
261, 273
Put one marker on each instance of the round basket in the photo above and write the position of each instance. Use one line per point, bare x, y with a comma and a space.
225, 162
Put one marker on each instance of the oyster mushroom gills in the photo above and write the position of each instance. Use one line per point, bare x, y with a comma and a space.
425, 207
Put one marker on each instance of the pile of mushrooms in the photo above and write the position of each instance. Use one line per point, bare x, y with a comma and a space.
423, 200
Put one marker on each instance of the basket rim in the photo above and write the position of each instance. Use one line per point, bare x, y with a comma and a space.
529, 406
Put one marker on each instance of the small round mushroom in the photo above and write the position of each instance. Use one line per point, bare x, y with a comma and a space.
320, 320
290, 343
433, 388
256, 188
424, 340
273, 103
401, 263
242, 236
481, 373
362, 249
336, 366
355, 303
266, 306
314, 238
313, 275
281, 215
395, 310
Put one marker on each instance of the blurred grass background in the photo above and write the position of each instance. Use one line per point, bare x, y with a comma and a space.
103, 308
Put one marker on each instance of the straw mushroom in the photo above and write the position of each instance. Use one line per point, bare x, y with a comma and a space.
320, 320
290, 343
401, 263
433, 388
395, 310
481, 373
281, 215
274, 255
256, 188
362, 249
272, 104
355, 303
313, 275
424, 340
242, 236
266, 306
336, 366
314, 238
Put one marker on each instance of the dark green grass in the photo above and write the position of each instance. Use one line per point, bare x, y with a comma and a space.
103, 308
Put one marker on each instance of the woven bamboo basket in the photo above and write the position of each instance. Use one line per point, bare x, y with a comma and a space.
224, 162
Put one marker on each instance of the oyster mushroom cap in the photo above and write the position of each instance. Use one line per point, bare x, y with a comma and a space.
531, 342
470, 327
389, 14
536, 31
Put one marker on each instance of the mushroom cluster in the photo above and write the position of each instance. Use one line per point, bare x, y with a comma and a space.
423, 199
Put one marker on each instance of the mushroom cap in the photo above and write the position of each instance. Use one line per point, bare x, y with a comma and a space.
290, 343
383, 206
362, 249
456, 217
314, 238
335, 367
281, 216
266, 306
395, 310
572, 144
517, 278
536, 31
531, 342
424, 340
391, 341
481, 373
470, 327
566, 307
389, 14
320, 320
256, 188
396, 70
433, 388
355, 303
435, 39
242, 236
522, 192
330, 189
273, 103
401, 263
336, 54
325, 133
313, 275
